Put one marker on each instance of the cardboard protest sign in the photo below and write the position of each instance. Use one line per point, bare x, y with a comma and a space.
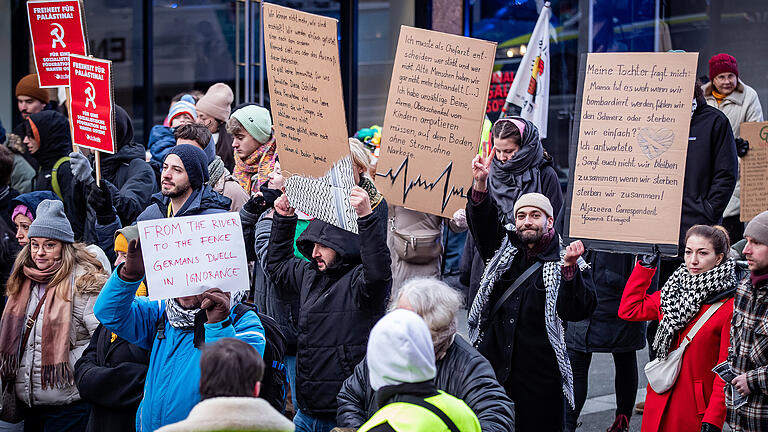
754, 171
57, 29
304, 75
92, 111
434, 118
628, 151
187, 255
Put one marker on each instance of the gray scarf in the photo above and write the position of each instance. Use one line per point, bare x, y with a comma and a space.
478, 313
181, 318
216, 170
520, 175
682, 296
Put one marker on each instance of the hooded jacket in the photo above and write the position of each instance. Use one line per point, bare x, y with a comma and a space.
129, 178
32, 199
56, 143
462, 372
337, 307
711, 169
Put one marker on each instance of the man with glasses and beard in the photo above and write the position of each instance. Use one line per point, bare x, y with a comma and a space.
531, 285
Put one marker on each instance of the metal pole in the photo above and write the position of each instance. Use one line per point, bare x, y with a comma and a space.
237, 52
261, 54
247, 50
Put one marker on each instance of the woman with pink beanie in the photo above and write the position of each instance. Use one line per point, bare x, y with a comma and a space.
213, 111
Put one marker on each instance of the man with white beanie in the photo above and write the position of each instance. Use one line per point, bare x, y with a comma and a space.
401, 361
748, 355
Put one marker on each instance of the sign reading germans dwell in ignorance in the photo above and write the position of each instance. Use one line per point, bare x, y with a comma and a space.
628, 155
57, 30
92, 105
187, 255
302, 59
754, 171
434, 117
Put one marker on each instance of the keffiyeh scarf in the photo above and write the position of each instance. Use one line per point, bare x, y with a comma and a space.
682, 296
181, 318
478, 313
256, 167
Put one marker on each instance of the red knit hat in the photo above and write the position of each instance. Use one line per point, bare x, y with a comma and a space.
721, 63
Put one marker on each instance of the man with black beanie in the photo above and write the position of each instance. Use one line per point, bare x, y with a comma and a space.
183, 188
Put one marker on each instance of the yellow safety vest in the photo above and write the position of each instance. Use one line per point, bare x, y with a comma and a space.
407, 417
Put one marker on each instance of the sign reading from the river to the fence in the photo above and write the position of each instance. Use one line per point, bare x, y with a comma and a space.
185, 256
754, 171
434, 118
302, 60
628, 150
92, 103
57, 29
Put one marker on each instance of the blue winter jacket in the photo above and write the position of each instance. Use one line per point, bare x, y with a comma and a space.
171, 387
160, 142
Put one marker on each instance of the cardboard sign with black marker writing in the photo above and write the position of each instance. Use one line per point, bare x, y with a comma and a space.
754, 171
434, 118
629, 149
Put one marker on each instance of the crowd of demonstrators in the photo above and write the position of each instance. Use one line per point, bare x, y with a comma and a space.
461, 371
694, 304
30, 99
213, 111
161, 137
231, 372
404, 380
254, 146
740, 104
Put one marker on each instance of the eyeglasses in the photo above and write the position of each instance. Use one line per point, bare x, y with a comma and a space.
47, 247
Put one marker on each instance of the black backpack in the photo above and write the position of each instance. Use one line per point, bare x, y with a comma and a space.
274, 385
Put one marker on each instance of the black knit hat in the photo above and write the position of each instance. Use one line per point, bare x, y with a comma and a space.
195, 163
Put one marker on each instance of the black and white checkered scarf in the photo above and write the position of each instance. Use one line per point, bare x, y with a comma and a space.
682, 296
478, 313
185, 318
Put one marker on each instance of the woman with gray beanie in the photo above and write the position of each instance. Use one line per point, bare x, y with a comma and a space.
47, 323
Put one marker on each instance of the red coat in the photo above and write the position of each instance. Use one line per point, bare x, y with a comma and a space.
697, 395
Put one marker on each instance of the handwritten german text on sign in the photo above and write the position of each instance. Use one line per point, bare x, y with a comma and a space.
57, 30
754, 171
432, 127
302, 59
187, 255
630, 149
92, 105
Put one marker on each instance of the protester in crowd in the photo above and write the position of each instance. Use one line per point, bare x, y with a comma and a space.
213, 110
254, 146
161, 138
342, 291
518, 165
230, 376
39, 345
7, 192
48, 140
605, 332
739, 102
256, 217
748, 355
706, 280
460, 370
126, 186
221, 180
22, 172
30, 99
110, 374
520, 331
25, 211
401, 364
362, 167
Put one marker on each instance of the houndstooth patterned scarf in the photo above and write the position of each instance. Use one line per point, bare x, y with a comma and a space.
682, 296
478, 314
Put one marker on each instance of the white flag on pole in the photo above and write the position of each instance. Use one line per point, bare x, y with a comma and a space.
530, 88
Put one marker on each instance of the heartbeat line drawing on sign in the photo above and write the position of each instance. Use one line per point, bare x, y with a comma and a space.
425, 184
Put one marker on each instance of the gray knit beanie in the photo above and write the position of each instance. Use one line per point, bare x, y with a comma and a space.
51, 222
758, 228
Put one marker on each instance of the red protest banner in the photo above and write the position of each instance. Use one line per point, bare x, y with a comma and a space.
92, 111
57, 29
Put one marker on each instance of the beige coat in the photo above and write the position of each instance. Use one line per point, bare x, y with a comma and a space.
230, 188
232, 413
741, 106
28, 377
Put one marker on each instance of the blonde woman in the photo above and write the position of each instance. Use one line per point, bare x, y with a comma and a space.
48, 321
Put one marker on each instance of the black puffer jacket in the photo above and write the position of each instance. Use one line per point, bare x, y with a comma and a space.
463, 373
110, 376
56, 143
337, 307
